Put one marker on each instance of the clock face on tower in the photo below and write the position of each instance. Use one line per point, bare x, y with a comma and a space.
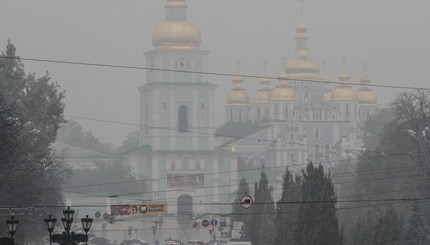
183, 64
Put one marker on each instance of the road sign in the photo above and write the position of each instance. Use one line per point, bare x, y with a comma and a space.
214, 222
246, 201
195, 224
224, 234
205, 223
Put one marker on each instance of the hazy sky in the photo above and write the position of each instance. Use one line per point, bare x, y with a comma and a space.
393, 36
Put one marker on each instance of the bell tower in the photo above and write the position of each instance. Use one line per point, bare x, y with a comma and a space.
177, 108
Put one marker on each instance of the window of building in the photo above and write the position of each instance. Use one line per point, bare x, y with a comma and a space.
197, 164
286, 112
276, 111
172, 165
183, 119
240, 115
202, 106
317, 133
185, 164
164, 106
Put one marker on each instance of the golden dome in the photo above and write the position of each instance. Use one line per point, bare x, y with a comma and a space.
176, 32
263, 94
344, 91
366, 96
283, 92
302, 66
238, 95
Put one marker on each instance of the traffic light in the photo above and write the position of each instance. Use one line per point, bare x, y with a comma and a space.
211, 230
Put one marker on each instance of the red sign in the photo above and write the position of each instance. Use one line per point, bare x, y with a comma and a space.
246, 201
205, 223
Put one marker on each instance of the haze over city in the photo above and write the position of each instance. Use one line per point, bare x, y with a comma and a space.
392, 36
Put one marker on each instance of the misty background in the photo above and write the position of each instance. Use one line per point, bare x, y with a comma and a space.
392, 36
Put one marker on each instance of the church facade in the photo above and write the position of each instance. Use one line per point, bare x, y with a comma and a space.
300, 119
195, 168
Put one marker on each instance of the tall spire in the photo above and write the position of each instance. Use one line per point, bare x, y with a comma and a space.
302, 66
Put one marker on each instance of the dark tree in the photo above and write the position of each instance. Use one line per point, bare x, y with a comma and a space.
237, 212
262, 196
31, 111
318, 212
417, 232
287, 219
72, 133
388, 229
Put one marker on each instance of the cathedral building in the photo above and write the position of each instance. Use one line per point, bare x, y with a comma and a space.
195, 168
301, 119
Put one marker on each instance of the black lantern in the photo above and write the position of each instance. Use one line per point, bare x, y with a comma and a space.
12, 225
68, 237
50, 223
66, 224
86, 223
68, 214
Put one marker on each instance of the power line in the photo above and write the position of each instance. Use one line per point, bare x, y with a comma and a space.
198, 72
223, 135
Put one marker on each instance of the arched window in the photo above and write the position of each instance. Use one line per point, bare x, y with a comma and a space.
317, 133
183, 119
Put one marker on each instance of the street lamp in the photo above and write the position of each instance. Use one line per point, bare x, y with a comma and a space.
67, 237
12, 225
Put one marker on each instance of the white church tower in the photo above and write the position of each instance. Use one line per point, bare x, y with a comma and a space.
177, 155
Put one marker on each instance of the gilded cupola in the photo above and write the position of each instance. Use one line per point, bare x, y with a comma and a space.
263, 94
176, 32
238, 95
344, 91
302, 66
366, 96
283, 92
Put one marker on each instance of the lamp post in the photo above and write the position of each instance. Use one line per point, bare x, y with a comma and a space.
67, 237
12, 224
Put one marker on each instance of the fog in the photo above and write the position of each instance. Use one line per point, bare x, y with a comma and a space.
392, 36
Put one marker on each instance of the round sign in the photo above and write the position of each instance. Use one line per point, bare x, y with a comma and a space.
246, 201
214, 222
205, 223
195, 224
